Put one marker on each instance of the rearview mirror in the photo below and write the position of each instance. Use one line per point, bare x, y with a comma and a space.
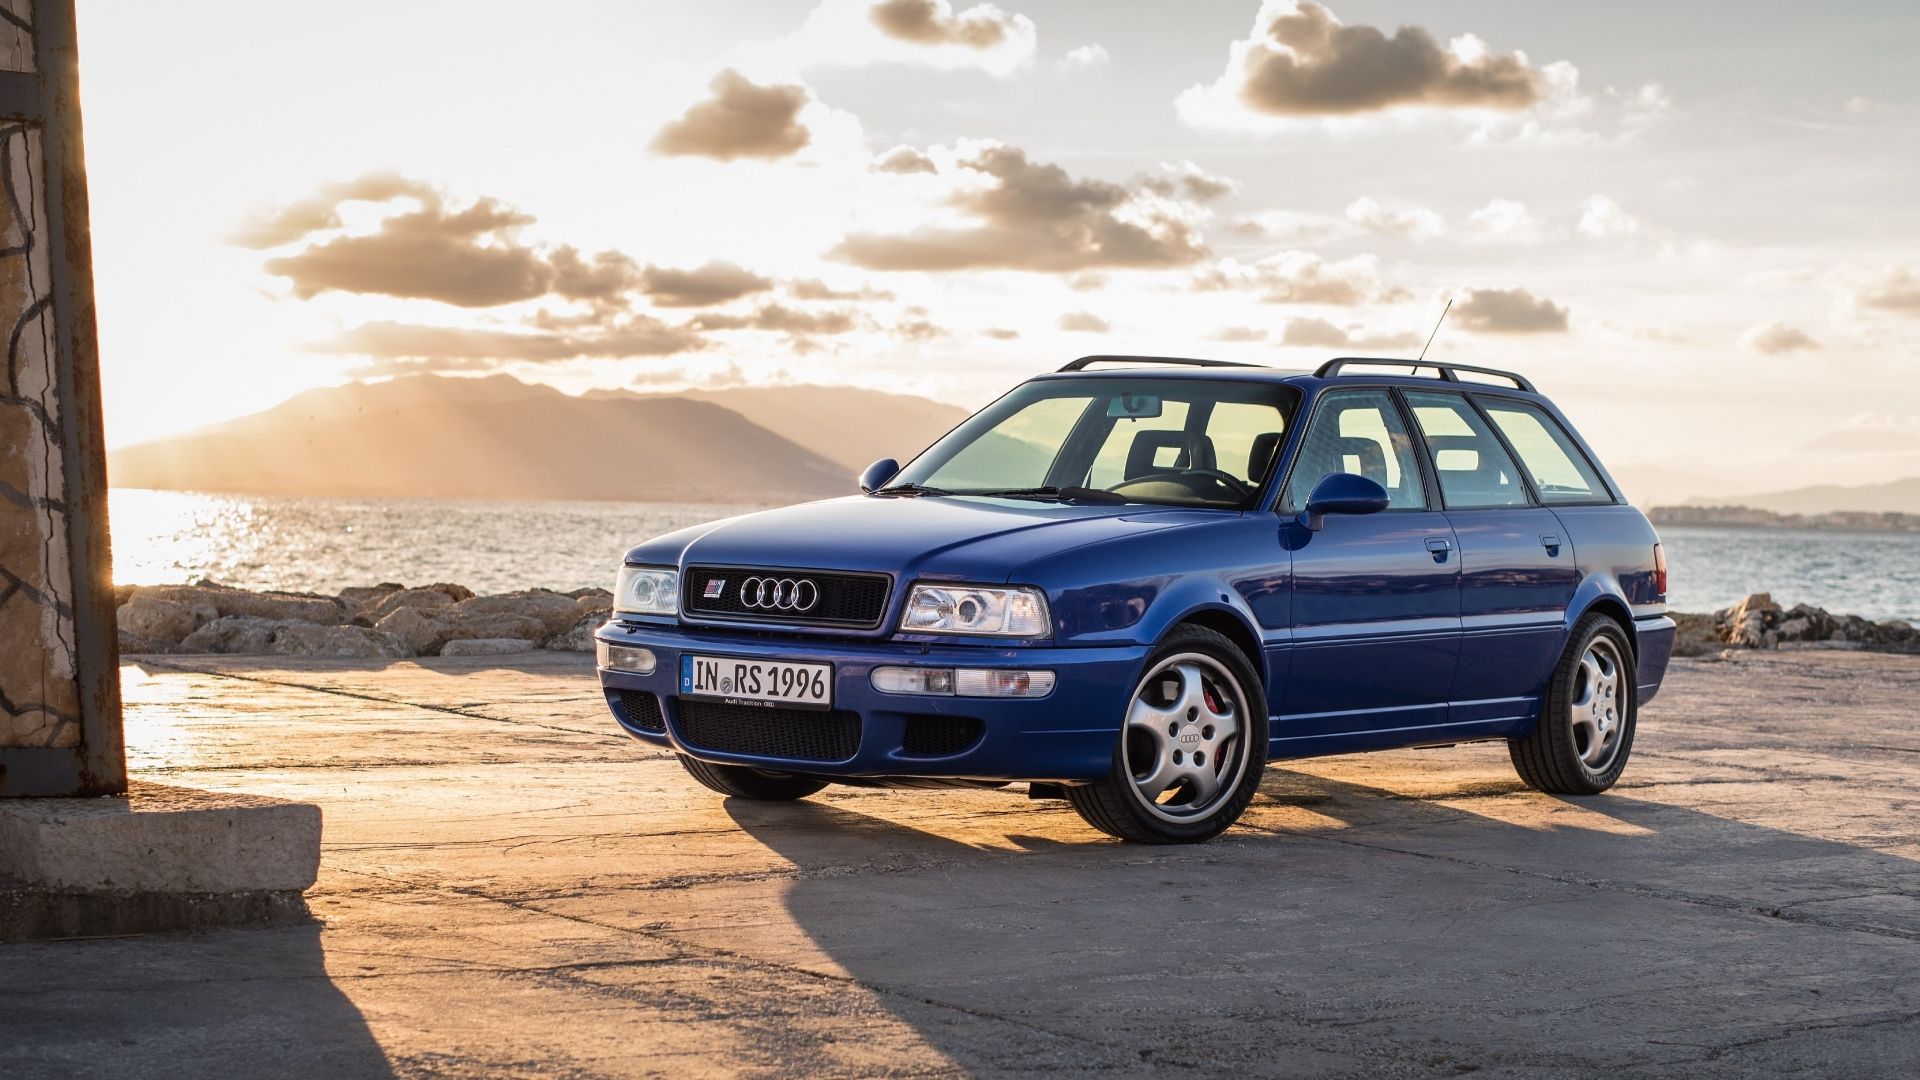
1134, 407
1342, 493
878, 474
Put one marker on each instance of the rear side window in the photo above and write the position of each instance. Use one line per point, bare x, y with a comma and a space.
1475, 471
1560, 472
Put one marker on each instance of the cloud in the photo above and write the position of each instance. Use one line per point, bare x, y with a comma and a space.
1300, 277
1415, 222
1000, 333
1775, 338
741, 119
286, 224
1084, 322
1299, 61
1084, 58
1509, 311
815, 289
932, 22
1189, 181
922, 33
917, 327
780, 319
703, 286
1508, 221
468, 257
904, 159
1239, 334
1028, 215
1319, 333
465, 347
1602, 219
1291, 226
1896, 288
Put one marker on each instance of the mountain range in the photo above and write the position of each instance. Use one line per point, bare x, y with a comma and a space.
498, 437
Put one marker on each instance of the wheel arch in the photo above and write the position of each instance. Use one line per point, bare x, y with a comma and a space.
1616, 609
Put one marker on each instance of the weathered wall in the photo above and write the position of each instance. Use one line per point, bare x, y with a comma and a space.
59, 700
39, 698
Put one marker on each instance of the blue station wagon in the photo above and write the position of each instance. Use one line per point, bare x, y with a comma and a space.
1132, 586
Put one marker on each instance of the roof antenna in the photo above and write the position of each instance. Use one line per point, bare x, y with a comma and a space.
1436, 330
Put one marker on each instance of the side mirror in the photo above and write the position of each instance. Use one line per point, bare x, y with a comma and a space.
878, 474
1342, 493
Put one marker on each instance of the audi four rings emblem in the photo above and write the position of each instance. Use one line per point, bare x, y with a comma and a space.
779, 594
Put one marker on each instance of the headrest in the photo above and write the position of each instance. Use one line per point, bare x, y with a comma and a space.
1260, 458
1148, 444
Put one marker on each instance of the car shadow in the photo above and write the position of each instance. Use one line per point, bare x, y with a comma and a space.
1356, 928
252, 1003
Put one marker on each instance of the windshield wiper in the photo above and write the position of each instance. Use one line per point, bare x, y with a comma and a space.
909, 489
1064, 494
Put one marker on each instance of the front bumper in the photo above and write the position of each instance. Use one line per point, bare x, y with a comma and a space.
1068, 735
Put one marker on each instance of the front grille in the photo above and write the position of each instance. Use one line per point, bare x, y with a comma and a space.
797, 734
852, 600
940, 736
639, 709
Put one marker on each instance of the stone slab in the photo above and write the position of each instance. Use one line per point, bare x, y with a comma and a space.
161, 839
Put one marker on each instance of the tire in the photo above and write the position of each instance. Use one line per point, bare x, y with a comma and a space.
740, 782
1587, 718
1193, 676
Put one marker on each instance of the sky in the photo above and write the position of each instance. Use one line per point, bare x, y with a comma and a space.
1694, 225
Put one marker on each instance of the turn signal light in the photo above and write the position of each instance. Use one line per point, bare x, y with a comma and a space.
963, 682
613, 657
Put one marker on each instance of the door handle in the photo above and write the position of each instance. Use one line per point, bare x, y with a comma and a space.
1551, 543
1439, 545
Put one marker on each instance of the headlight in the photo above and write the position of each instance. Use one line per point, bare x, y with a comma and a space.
641, 590
971, 609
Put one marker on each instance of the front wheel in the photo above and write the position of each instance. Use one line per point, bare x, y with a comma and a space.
740, 782
1191, 749
1587, 719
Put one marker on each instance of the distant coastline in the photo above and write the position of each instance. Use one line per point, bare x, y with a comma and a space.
1747, 517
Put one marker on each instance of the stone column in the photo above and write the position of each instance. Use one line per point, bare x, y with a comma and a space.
59, 666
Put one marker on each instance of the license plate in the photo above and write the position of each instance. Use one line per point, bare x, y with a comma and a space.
757, 682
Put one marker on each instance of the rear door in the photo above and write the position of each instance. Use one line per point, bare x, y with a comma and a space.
1376, 599
1517, 570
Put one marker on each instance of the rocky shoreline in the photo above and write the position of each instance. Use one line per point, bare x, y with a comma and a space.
394, 622
388, 621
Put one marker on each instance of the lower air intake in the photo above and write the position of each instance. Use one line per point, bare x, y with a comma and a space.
940, 736
639, 709
795, 734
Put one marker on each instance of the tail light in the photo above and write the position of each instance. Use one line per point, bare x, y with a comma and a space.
1660, 571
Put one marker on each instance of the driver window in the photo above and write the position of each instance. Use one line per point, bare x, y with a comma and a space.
1359, 432
1161, 450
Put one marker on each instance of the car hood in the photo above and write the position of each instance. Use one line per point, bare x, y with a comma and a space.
959, 538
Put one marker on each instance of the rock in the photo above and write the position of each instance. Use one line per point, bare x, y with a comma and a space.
487, 647
147, 616
1750, 622
555, 611
454, 592
1694, 635
587, 594
601, 604
263, 605
237, 635
464, 626
422, 633
131, 644
426, 600
355, 642
358, 598
580, 638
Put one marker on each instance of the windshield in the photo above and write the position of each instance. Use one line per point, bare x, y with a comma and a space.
1185, 442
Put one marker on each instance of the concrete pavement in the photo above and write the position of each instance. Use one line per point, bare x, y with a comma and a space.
509, 888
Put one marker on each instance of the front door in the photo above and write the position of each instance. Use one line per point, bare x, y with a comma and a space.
1517, 564
1376, 597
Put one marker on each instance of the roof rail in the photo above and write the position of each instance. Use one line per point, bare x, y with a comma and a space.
1448, 372
1086, 361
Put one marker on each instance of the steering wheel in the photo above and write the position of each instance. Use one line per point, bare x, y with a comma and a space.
1225, 481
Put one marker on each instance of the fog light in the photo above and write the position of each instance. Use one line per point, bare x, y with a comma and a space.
964, 682
624, 657
913, 680
992, 682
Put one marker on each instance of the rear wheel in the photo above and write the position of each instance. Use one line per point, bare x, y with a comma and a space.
1191, 749
1585, 733
740, 782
